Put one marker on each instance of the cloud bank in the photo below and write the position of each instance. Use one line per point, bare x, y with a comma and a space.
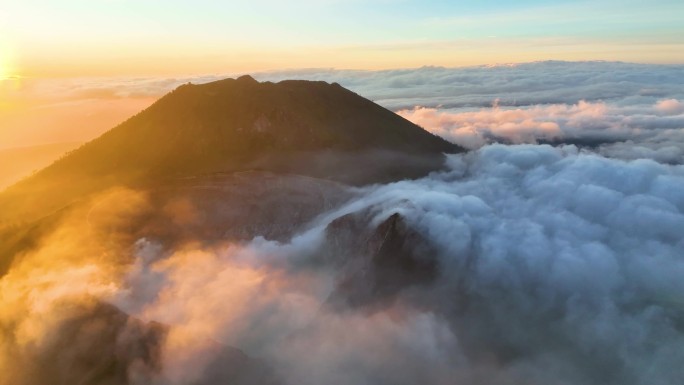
655, 132
554, 266
515, 85
635, 106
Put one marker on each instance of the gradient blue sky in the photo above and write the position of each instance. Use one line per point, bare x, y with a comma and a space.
124, 37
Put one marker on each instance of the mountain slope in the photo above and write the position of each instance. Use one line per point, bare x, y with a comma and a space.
233, 125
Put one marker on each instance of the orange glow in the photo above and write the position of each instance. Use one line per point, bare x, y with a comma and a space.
408, 54
39, 111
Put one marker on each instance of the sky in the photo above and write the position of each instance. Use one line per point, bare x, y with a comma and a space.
71, 69
74, 38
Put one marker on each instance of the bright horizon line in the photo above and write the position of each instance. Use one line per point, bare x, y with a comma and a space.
229, 73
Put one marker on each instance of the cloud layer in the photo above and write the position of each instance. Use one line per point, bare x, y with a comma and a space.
556, 267
655, 132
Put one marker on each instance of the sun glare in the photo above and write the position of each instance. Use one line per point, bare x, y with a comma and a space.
7, 71
5, 61
4, 67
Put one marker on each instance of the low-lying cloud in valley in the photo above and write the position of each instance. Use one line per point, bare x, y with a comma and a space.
553, 266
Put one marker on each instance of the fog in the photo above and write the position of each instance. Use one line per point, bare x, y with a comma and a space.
556, 267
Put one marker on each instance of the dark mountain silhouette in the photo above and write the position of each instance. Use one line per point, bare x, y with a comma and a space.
304, 127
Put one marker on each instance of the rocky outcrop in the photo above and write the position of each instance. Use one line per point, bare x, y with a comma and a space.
378, 263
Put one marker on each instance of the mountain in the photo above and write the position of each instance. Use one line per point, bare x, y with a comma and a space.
377, 262
302, 127
219, 163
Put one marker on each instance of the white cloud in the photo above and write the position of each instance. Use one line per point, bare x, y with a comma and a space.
588, 121
549, 258
670, 106
522, 85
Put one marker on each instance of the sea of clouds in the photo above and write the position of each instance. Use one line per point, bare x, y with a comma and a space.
558, 265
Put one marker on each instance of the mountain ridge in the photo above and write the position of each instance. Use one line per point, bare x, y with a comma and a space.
233, 125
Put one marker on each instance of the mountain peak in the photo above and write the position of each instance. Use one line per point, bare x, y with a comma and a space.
247, 79
304, 127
